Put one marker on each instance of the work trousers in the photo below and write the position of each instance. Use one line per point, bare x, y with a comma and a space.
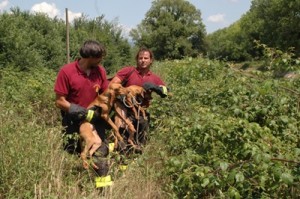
72, 145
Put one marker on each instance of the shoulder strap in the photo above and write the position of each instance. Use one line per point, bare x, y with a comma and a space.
125, 80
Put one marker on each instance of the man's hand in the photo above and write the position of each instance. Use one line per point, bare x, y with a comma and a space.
79, 113
161, 90
93, 114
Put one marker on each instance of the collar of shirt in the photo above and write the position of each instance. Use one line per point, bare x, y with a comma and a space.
146, 74
81, 72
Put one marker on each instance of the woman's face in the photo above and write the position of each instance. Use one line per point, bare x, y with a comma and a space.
144, 60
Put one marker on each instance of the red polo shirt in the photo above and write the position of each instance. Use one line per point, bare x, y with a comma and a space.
135, 78
77, 86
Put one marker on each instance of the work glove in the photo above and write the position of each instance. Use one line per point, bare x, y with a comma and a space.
79, 113
161, 90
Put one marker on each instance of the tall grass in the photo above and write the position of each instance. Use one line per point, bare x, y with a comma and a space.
33, 164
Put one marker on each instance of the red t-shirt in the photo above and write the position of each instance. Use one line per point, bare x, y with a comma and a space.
79, 88
135, 78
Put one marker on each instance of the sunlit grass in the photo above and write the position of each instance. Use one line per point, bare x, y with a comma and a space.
33, 164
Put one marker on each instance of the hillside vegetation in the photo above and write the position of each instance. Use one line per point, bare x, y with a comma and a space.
228, 133
42, 41
272, 22
224, 133
229, 130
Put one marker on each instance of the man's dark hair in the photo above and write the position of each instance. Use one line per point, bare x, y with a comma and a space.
92, 49
144, 49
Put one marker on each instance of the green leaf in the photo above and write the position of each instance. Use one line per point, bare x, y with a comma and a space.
266, 157
205, 182
239, 177
224, 166
233, 193
262, 181
287, 178
284, 119
257, 158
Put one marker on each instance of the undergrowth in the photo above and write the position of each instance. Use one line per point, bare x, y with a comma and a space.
33, 164
222, 133
230, 134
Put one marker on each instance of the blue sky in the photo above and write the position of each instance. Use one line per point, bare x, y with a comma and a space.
216, 14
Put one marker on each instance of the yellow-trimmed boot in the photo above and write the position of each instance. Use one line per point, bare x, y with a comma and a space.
103, 181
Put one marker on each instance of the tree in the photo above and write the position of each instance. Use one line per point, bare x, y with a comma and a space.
272, 22
276, 23
229, 44
34, 40
30, 40
173, 29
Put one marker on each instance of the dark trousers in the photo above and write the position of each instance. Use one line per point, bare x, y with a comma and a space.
141, 136
72, 144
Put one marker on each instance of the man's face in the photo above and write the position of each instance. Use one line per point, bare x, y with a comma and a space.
94, 62
144, 60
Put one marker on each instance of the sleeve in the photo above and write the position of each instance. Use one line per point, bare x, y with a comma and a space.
159, 81
61, 86
122, 73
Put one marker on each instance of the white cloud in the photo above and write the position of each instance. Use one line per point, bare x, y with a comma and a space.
218, 18
49, 9
3, 4
233, 1
52, 11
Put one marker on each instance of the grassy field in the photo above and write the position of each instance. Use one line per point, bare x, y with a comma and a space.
204, 138
33, 164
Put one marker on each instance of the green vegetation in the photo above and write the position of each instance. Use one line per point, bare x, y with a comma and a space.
229, 130
34, 40
272, 22
229, 133
225, 132
173, 29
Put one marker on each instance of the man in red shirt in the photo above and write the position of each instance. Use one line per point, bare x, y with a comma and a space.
75, 90
141, 75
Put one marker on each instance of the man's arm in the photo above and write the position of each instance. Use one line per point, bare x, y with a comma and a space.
116, 80
62, 103
77, 112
